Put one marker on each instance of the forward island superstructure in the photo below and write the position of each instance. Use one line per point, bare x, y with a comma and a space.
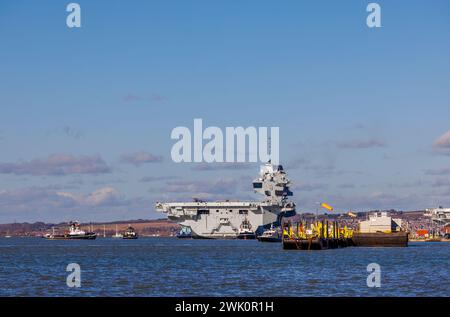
225, 219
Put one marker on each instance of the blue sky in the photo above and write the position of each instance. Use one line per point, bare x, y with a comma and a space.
86, 114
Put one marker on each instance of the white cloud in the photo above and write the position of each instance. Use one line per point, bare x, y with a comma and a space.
57, 164
220, 187
443, 141
139, 158
100, 197
42, 203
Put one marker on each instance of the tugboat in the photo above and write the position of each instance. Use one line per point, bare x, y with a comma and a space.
245, 231
75, 233
130, 233
270, 235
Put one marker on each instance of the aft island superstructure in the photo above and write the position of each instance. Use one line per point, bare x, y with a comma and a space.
226, 219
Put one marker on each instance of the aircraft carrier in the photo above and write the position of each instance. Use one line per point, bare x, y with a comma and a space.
226, 219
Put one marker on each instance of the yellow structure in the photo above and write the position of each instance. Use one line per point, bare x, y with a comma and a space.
317, 229
326, 206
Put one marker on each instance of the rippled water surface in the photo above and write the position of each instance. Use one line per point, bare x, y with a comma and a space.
173, 267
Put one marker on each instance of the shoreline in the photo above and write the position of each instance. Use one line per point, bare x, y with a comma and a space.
145, 228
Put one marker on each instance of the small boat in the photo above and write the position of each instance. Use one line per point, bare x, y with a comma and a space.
245, 231
75, 233
185, 233
270, 235
117, 235
130, 233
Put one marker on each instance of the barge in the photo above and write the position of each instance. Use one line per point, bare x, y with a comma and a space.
380, 230
380, 239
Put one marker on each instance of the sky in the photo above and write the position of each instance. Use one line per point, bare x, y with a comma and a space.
86, 113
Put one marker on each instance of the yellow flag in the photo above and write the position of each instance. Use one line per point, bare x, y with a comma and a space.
326, 206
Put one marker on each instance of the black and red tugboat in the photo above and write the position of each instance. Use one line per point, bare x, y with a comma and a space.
245, 231
130, 233
75, 233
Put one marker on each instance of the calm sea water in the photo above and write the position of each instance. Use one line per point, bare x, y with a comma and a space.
173, 267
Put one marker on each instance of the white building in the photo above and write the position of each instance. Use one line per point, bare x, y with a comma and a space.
380, 222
